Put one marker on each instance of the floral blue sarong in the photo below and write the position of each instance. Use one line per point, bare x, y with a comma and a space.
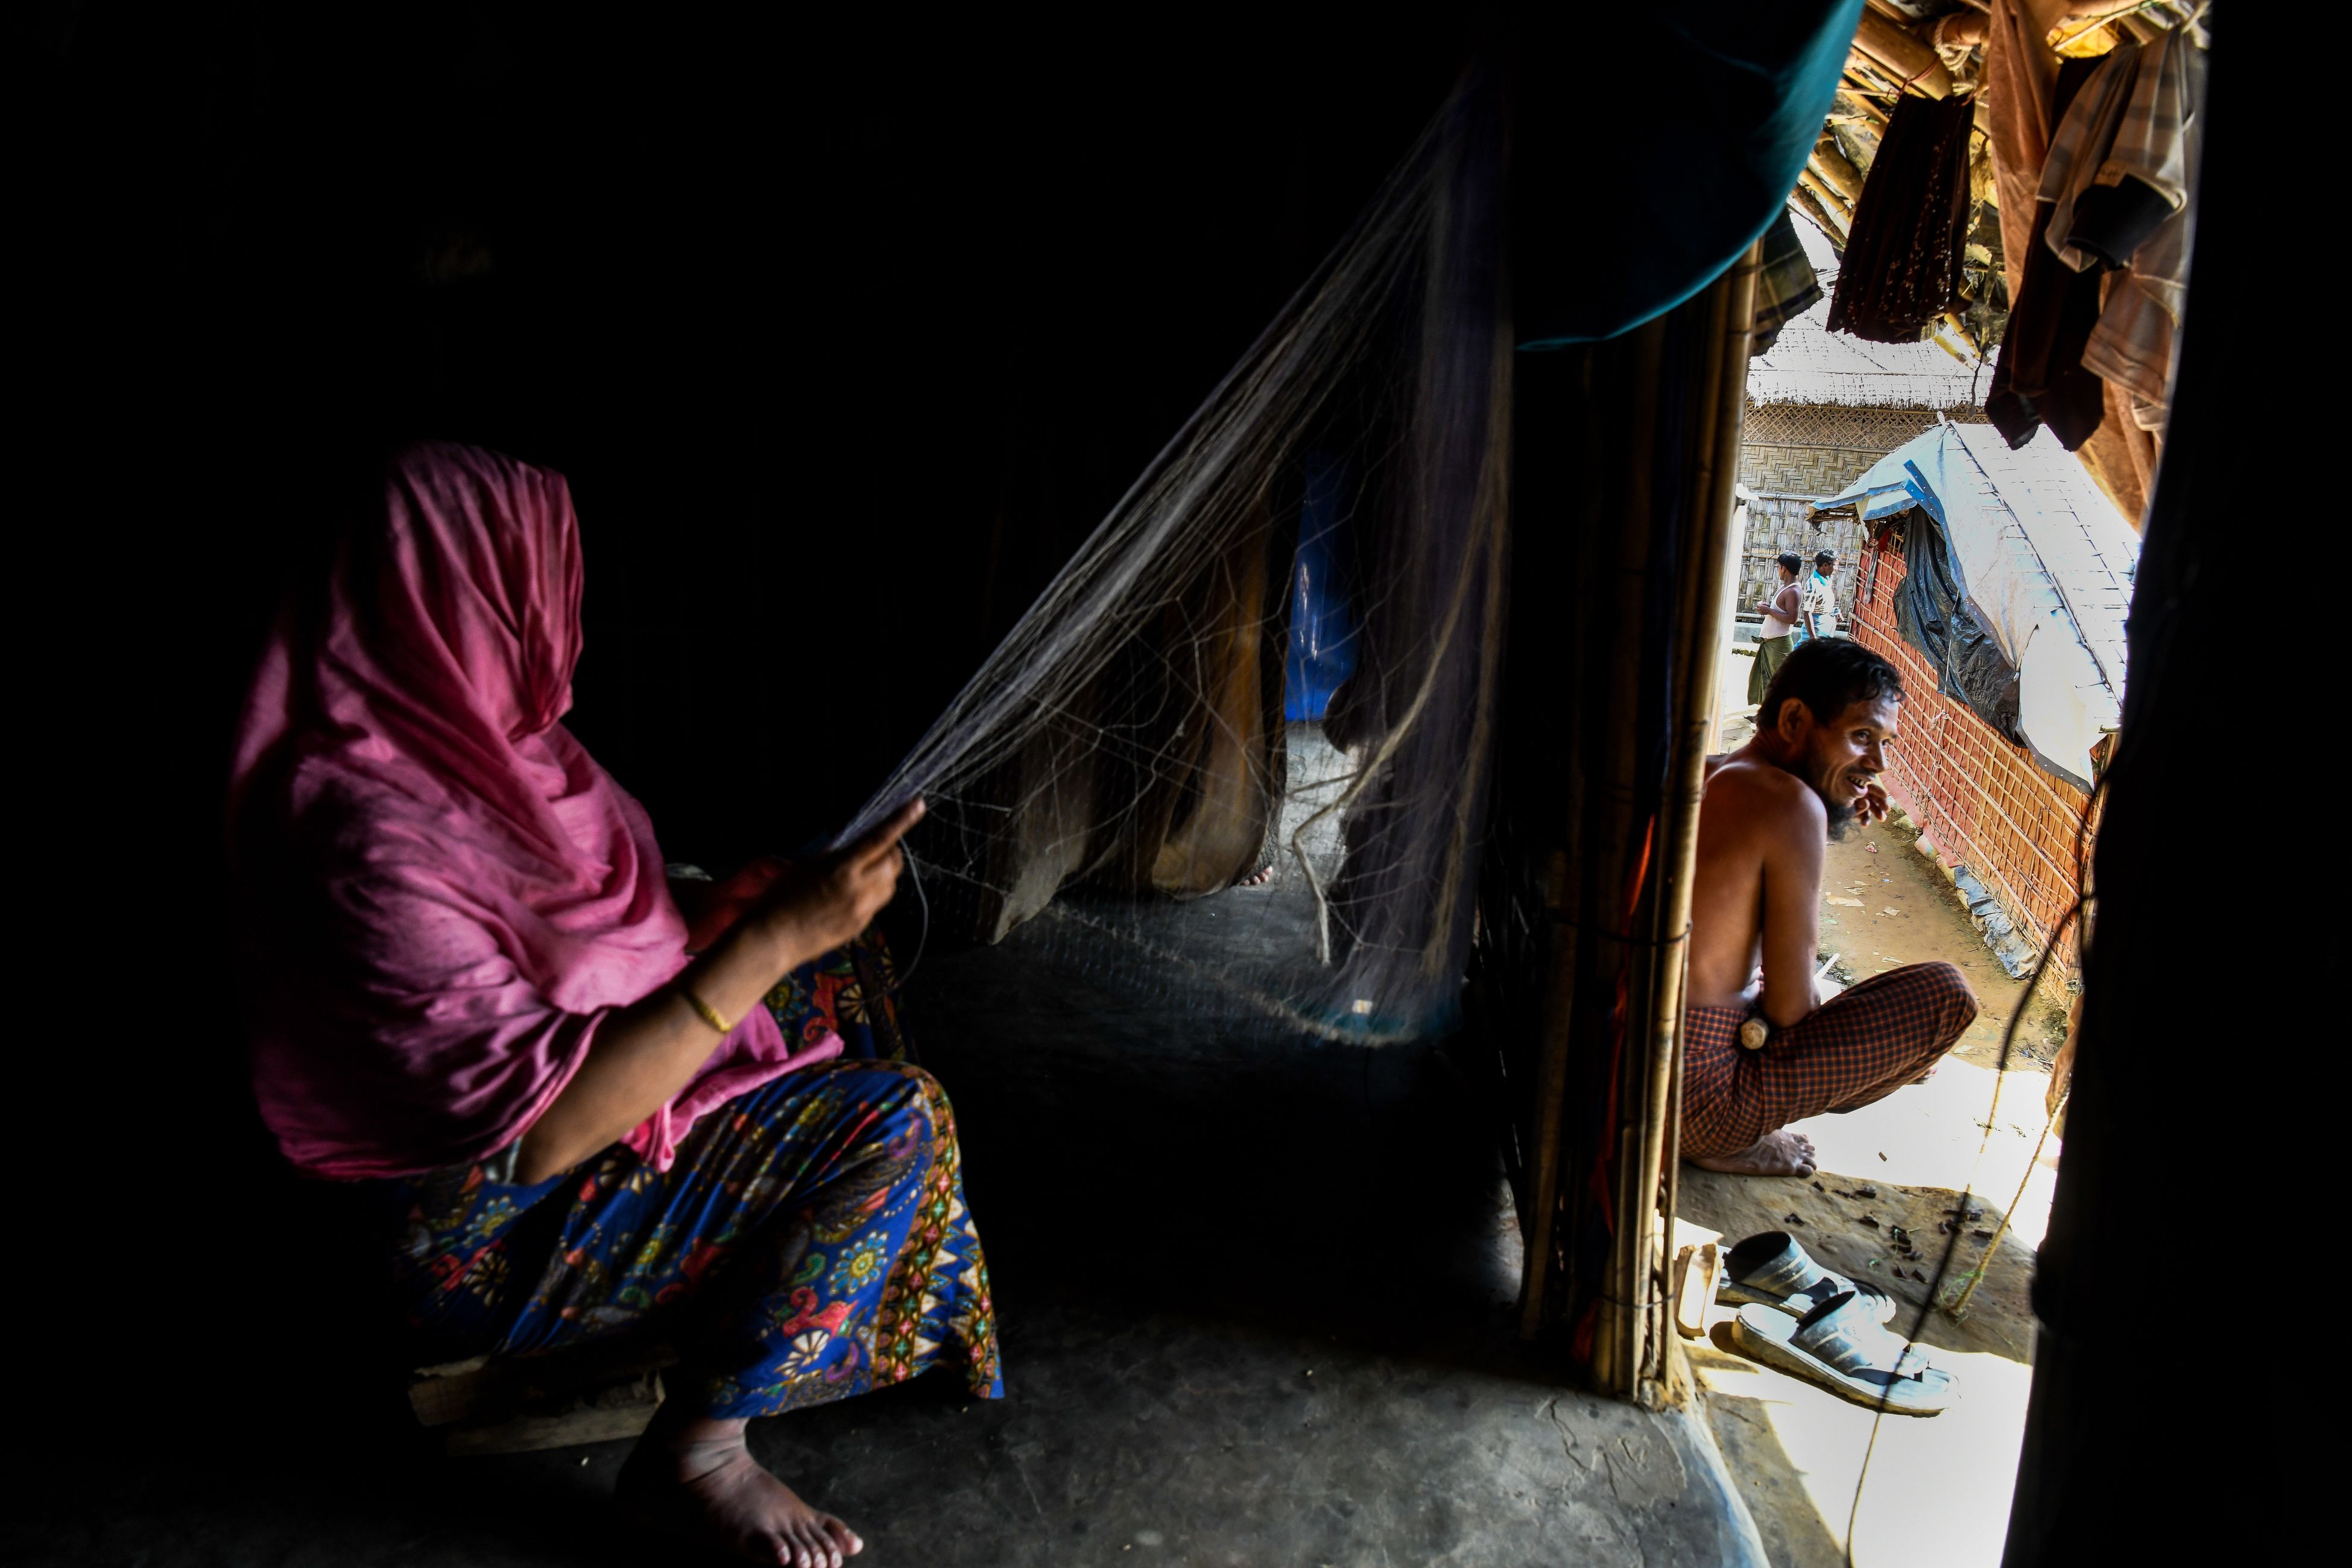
811, 1241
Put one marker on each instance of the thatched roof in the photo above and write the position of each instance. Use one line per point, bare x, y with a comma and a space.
1808, 364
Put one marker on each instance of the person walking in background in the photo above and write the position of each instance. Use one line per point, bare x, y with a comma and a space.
1778, 635
1819, 599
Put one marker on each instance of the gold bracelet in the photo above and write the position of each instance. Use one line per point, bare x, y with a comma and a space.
706, 1011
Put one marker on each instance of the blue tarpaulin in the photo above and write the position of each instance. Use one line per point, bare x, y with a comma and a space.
1322, 650
2017, 575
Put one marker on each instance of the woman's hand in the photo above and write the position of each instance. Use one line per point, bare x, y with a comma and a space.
711, 908
645, 1053
812, 910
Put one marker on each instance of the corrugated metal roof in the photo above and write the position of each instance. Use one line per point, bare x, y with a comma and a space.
1810, 365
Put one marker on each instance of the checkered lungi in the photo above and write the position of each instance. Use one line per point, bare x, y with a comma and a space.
1861, 1047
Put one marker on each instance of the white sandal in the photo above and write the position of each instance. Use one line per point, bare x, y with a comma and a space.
1838, 1347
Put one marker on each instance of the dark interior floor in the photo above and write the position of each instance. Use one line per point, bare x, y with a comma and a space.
1255, 1295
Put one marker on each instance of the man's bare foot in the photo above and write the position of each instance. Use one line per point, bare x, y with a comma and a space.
698, 1481
1781, 1154
1257, 879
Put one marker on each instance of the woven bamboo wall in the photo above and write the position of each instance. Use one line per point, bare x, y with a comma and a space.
1778, 522
1983, 799
1793, 453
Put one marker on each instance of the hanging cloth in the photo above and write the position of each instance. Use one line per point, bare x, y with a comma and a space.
2138, 215
1903, 260
2020, 75
2039, 378
1786, 285
2086, 130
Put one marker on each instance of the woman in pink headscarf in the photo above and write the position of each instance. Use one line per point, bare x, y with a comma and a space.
475, 999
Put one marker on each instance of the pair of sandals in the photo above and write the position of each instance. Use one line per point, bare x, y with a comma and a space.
1797, 1317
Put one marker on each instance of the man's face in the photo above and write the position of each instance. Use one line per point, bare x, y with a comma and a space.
1839, 760
1823, 568
1786, 575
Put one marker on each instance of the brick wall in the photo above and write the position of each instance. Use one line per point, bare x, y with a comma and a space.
1983, 799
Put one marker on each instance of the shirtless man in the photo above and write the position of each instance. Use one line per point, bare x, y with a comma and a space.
1778, 634
1769, 811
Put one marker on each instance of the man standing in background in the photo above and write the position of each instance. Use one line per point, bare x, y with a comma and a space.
1820, 598
1777, 633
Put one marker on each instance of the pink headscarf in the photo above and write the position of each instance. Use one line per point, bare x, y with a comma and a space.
443, 895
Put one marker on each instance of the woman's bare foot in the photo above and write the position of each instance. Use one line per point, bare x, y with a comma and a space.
698, 1481
1781, 1154
1257, 879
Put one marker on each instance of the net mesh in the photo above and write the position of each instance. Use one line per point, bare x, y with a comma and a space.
1161, 726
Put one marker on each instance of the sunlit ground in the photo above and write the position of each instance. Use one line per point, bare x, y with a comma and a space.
1931, 1135
1937, 1488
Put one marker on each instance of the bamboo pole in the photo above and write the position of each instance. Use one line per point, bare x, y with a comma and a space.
1811, 206
1622, 874
2086, 23
1710, 510
1742, 521
1958, 30
1552, 1096
1864, 102
1829, 162
1841, 220
1911, 62
1868, 80
1618, 888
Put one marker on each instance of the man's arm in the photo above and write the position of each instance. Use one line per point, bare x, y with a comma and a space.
1793, 858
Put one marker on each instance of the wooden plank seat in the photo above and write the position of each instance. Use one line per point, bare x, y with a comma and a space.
515, 1404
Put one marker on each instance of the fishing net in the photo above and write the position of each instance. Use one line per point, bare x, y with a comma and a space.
1278, 651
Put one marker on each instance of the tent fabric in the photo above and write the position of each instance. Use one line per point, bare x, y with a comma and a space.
1614, 231
2018, 575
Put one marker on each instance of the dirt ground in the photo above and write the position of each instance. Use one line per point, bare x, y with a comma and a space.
1938, 1489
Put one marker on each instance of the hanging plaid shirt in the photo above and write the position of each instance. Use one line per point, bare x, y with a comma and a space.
2134, 119
1786, 286
2157, 145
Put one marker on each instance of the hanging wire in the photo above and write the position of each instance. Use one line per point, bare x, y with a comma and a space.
2083, 835
923, 933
